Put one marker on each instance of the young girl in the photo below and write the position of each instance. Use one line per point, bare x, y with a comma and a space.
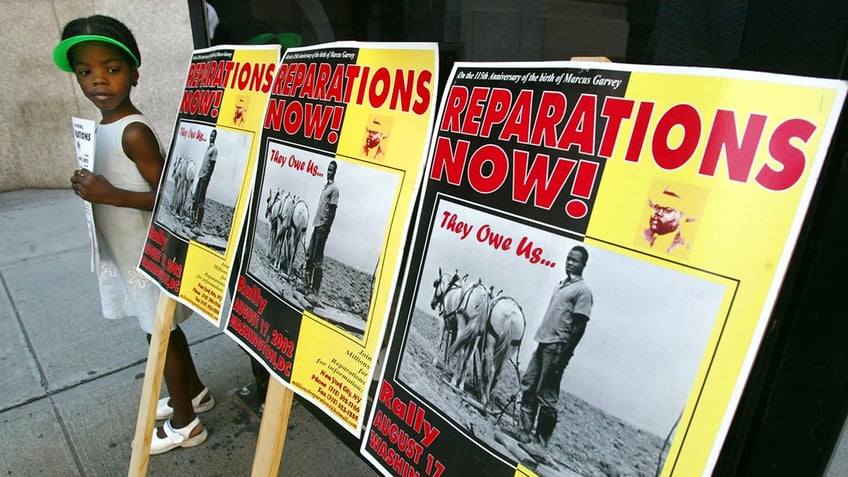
128, 161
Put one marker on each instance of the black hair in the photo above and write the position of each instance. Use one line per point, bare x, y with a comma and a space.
583, 252
103, 26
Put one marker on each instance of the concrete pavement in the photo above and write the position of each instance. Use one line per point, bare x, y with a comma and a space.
71, 380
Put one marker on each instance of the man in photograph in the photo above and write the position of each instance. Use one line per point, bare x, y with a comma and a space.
562, 328
324, 216
198, 206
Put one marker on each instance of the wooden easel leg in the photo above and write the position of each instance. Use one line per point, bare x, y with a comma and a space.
272, 430
152, 383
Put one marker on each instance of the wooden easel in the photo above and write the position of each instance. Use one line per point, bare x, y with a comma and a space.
152, 383
272, 429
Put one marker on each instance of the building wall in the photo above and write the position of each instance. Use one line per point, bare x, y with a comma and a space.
36, 146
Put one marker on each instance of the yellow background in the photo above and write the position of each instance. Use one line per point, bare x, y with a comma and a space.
741, 230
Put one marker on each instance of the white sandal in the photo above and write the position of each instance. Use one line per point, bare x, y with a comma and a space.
165, 411
176, 437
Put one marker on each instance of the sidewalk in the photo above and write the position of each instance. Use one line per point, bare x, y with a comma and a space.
71, 380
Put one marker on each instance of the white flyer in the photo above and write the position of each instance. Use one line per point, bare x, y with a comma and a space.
84, 144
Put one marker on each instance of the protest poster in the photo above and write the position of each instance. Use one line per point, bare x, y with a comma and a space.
684, 191
204, 191
341, 160
84, 134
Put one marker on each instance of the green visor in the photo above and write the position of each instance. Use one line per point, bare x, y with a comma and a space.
60, 53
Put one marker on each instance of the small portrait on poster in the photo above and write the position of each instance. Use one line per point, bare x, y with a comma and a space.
671, 218
240, 109
319, 233
202, 182
545, 348
375, 140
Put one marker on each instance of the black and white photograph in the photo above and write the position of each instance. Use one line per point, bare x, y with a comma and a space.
573, 358
202, 183
319, 232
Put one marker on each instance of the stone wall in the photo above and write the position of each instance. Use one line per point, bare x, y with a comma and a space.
36, 145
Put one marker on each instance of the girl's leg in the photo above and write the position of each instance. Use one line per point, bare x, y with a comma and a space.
195, 385
181, 379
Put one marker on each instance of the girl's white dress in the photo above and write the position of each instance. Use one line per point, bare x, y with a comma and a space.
122, 232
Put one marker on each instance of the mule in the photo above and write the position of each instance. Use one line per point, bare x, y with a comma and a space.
446, 296
274, 212
295, 227
183, 176
501, 340
480, 330
471, 314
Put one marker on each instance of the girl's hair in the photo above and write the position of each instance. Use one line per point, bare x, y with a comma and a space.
106, 27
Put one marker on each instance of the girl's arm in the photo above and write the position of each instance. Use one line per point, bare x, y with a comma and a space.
142, 148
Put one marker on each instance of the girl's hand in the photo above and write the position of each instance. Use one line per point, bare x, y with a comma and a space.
93, 188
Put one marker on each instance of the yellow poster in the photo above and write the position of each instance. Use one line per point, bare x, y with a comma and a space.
341, 159
204, 192
596, 257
